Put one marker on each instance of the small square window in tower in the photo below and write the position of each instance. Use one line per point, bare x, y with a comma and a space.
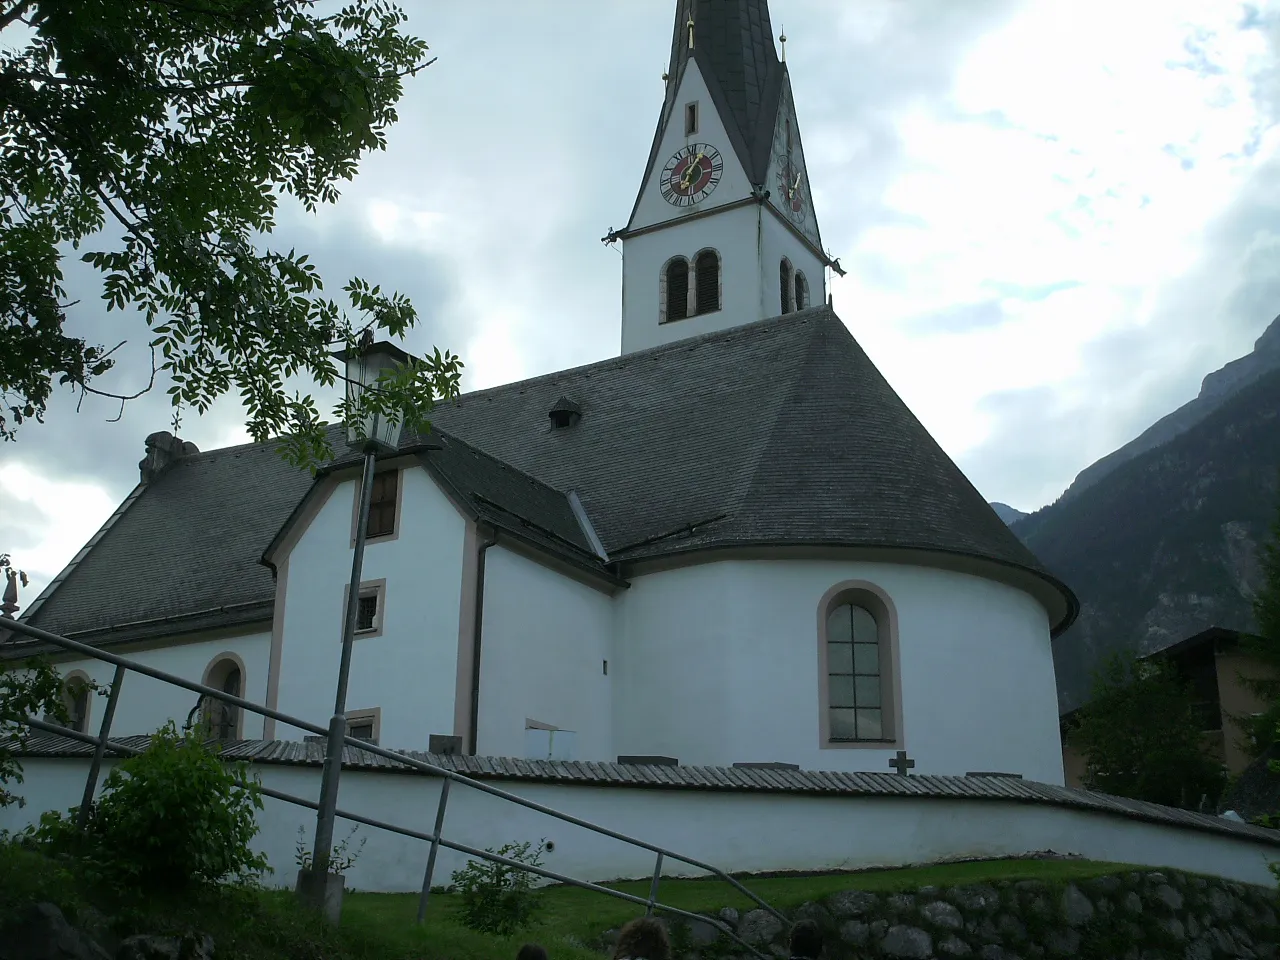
707, 282
382, 505
367, 613
690, 119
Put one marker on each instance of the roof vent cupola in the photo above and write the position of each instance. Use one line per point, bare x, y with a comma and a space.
564, 413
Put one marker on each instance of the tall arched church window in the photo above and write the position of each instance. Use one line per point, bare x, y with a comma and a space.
858, 683
706, 272
676, 276
784, 285
222, 719
802, 291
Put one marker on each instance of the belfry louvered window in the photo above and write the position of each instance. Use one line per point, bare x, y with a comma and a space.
678, 289
802, 291
784, 285
707, 282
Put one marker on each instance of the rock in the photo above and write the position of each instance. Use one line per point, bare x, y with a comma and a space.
929, 891
976, 898
1011, 928
41, 932
878, 927
610, 937
1202, 949
1266, 916
779, 951
1104, 907
1076, 907
1131, 902
953, 946
1062, 943
904, 941
1105, 885
987, 932
1199, 883
1241, 936
942, 914
96, 925
1167, 897
728, 915
993, 952
702, 932
1039, 908
1221, 904
1155, 876
1222, 941
759, 926
1031, 886
1173, 927
1193, 928
855, 932
902, 903
852, 903
815, 912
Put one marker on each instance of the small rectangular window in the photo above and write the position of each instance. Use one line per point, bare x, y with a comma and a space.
363, 725
367, 613
690, 119
382, 505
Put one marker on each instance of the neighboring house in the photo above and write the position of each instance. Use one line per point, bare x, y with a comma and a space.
1213, 663
731, 544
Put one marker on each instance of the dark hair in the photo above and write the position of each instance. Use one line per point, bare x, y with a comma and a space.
806, 940
644, 938
531, 951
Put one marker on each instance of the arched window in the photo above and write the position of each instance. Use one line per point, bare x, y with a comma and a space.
222, 719
706, 271
676, 276
784, 284
802, 291
859, 694
75, 698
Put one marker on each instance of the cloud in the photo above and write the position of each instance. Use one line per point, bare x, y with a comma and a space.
958, 319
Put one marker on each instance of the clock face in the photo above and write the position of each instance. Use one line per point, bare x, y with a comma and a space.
791, 189
691, 174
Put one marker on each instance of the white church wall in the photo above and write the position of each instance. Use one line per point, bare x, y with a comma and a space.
145, 704
748, 832
718, 663
545, 640
409, 671
733, 185
776, 242
735, 234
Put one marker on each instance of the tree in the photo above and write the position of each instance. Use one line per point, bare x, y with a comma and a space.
1141, 736
1264, 647
163, 134
25, 691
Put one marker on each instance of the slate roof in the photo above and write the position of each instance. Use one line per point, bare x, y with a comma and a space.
726, 779
775, 433
733, 47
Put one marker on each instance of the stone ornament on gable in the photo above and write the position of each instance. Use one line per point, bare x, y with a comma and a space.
13, 576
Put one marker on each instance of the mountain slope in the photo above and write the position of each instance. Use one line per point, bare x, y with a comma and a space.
1165, 544
1215, 389
1007, 513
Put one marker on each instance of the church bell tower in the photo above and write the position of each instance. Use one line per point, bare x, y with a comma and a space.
723, 230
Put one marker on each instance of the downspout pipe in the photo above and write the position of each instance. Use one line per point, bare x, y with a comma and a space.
478, 631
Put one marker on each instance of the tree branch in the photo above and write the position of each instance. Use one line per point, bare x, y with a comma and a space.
13, 13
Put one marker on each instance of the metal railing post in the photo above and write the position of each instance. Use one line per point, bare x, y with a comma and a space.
435, 848
653, 887
104, 731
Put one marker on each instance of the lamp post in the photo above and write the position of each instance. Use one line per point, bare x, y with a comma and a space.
372, 434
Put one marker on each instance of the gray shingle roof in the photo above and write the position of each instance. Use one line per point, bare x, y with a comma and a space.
732, 779
776, 433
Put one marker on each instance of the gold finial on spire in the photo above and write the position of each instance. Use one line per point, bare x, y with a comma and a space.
783, 40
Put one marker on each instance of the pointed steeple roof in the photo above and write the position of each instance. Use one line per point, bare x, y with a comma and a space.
733, 47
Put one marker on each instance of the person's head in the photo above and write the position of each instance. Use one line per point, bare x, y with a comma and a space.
531, 951
644, 938
806, 940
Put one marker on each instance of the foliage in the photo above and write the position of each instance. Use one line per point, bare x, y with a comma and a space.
172, 818
339, 860
497, 898
1141, 736
1264, 730
165, 134
30, 689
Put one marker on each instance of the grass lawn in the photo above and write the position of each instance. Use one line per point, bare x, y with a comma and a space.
570, 912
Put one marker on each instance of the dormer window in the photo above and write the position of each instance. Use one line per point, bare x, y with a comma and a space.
564, 413
690, 119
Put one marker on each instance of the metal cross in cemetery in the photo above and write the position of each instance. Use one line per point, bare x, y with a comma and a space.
901, 763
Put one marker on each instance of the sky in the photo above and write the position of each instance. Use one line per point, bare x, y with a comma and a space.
1056, 218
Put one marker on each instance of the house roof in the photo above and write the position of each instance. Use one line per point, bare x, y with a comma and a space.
776, 433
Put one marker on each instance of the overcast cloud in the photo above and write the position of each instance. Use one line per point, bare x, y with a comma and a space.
1056, 218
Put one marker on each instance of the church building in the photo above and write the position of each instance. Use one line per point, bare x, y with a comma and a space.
731, 544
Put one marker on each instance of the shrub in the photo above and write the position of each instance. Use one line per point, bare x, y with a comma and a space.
169, 819
33, 688
339, 860
497, 898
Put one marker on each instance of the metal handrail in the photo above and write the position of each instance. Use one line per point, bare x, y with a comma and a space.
102, 742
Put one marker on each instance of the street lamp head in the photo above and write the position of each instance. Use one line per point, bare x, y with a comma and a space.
364, 366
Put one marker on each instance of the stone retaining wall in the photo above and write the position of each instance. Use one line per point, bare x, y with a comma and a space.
1135, 916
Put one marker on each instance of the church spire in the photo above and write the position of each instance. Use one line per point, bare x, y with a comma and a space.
732, 42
